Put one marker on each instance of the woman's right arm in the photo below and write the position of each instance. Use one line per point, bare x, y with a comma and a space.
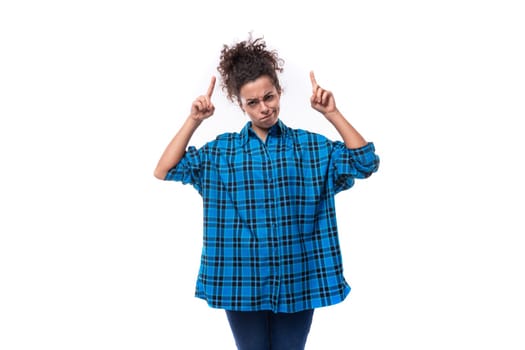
201, 109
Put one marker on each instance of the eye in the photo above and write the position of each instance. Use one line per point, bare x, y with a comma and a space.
251, 103
268, 98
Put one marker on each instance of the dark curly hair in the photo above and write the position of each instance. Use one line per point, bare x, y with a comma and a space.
246, 61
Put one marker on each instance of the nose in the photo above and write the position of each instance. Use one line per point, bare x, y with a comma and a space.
263, 106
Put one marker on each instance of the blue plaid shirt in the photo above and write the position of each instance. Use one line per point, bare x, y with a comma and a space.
270, 229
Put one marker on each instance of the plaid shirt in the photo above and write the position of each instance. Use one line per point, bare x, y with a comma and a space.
270, 229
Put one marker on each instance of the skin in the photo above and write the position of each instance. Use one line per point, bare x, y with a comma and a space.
261, 101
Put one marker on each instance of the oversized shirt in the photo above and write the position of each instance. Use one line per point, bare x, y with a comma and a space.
270, 229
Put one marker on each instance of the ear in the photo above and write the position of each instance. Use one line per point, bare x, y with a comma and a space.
240, 104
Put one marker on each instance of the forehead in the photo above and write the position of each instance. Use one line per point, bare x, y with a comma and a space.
257, 88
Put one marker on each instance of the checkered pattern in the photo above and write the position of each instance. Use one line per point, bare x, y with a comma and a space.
270, 230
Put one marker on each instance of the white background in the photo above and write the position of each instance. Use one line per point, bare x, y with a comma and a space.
97, 254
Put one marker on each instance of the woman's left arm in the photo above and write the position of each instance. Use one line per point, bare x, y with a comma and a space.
323, 101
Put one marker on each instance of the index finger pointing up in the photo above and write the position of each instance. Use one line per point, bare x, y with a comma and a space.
211, 87
312, 79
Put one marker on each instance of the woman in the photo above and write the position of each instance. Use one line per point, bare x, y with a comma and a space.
271, 252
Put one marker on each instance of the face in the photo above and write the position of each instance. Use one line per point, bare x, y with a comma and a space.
260, 100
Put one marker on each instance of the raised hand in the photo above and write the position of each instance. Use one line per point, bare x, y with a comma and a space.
202, 108
322, 100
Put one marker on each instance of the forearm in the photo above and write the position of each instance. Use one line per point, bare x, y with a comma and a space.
351, 137
176, 148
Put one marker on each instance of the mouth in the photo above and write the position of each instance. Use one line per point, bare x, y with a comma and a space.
268, 116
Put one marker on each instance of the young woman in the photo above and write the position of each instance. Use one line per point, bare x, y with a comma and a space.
271, 252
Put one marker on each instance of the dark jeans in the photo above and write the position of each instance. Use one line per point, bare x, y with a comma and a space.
265, 330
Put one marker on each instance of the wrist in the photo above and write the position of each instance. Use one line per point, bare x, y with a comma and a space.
333, 115
193, 122
194, 119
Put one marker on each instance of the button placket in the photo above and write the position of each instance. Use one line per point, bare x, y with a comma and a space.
272, 215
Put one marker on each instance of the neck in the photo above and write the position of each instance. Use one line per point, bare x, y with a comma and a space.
262, 133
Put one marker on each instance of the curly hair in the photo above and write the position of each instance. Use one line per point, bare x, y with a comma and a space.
246, 61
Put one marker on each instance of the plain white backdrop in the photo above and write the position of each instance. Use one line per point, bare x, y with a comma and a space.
97, 254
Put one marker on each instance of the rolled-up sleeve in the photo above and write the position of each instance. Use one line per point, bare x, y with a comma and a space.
350, 164
188, 170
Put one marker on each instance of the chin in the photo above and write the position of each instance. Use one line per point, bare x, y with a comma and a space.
269, 123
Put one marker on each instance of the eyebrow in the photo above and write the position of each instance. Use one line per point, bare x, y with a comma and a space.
256, 98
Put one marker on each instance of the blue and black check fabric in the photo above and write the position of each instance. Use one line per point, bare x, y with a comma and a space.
270, 229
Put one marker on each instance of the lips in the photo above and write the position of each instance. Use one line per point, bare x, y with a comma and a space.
266, 117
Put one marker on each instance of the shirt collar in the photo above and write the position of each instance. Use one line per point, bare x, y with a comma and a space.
278, 129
